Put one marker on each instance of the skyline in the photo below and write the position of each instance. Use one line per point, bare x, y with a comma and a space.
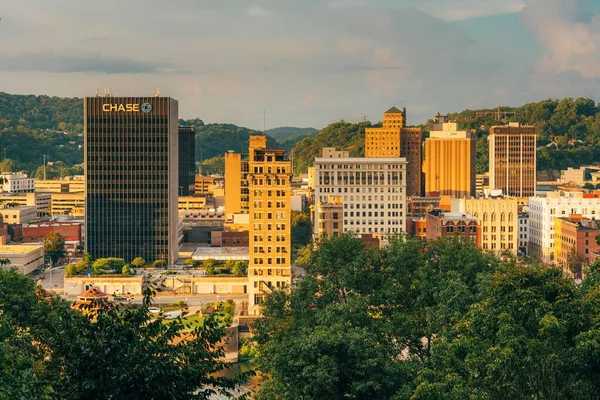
307, 63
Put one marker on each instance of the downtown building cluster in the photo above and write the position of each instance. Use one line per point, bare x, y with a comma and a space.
438, 192
142, 196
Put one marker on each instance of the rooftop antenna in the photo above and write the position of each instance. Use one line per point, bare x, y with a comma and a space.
96, 92
157, 91
264, 121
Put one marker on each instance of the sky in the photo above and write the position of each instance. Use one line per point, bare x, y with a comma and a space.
306, 62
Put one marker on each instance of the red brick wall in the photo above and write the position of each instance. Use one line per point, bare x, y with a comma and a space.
35, 234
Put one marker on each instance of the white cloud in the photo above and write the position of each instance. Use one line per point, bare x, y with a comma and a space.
257, 11
570, 44
457, 10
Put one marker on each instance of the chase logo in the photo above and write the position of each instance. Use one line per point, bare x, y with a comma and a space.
146, 107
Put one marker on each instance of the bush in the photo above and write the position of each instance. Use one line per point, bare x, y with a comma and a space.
159, 264
240, 268
127, 270
138, 262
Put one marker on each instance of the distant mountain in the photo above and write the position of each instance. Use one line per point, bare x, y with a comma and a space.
287, 131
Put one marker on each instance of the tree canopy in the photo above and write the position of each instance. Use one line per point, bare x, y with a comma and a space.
429, 320
50, 351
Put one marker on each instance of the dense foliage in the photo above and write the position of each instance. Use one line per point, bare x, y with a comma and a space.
301, 229
287, 137
50, 351
285, 132
435, 320
568, 130
568, 133
214, 140
33, 126
342, 135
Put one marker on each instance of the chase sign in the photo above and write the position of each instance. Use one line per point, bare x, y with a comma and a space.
146, 107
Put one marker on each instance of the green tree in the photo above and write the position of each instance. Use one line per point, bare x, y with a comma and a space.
228, 266
127, 270
301, 229
138, 262
54, 245
189, 262
40, 361
8, 165
209, 266
70, 270
240, 268
81, 267
501, 348
102, 265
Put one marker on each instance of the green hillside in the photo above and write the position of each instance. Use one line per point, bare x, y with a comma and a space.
34, 126
214, 140
342, 135
568, 133
285, 132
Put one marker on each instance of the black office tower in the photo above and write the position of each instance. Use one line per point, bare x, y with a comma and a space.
131, 174
187, 160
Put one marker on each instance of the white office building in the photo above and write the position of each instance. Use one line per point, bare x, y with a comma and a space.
16, 183
372, 190
543, 211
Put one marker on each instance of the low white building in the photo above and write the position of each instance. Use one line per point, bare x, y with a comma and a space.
112, 285
372, 190
18, 214
543, 211
26, 258
12, 182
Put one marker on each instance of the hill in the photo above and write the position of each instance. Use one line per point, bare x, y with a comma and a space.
214, 140
34, 126
287, 131
342, 135
568, 134
568, 131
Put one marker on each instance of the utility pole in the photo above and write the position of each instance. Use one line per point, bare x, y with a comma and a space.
44, 167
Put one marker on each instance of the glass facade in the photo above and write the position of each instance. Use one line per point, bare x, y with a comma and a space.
131, 151
187, 160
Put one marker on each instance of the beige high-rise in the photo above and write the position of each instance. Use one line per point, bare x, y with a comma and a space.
269, 184
513, 159
394, 139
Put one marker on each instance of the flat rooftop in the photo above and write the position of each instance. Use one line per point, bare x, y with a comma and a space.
221, 253
19, 249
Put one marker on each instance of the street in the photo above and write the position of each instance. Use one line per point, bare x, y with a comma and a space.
54, 279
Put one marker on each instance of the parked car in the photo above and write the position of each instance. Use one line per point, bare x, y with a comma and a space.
154, 310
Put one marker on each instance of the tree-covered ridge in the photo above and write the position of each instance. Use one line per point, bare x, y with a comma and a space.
341, 135
429, 320
568, 133
285, 132
34, 126
568, 130
214, 140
